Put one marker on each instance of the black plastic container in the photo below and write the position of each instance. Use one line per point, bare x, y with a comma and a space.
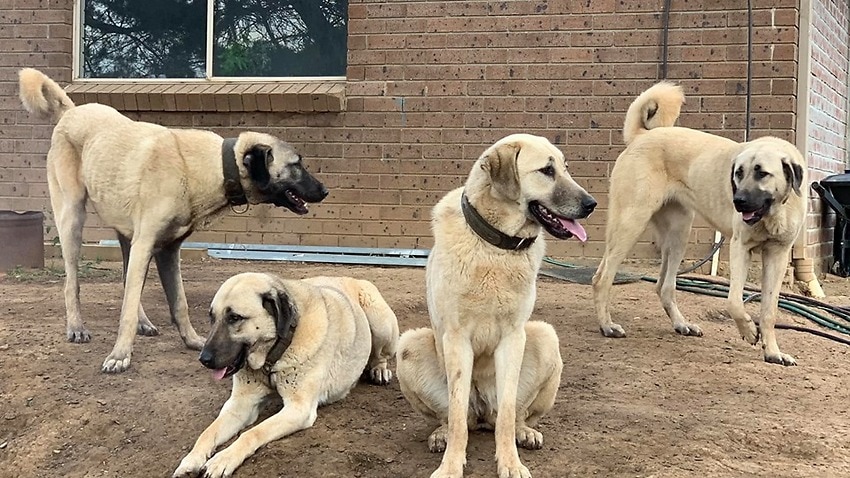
835, 191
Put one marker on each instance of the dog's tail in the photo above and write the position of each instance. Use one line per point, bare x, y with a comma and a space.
655, 107
41, 96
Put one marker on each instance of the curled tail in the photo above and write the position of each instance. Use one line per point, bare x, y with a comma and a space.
42, 96
657, 106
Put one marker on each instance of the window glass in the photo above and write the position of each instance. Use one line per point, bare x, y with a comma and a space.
280, 38
143, 39
253, 38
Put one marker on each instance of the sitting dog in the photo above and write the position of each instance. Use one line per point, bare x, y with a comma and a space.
154, 186
749, 191
483, 362
308, 340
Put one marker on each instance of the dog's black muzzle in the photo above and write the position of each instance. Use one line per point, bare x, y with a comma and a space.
752, 205
295, 194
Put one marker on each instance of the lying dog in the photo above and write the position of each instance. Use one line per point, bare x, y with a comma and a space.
748, 191
484, 362
154, 186
308, 340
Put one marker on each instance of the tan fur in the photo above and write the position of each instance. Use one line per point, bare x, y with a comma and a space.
665, 175
152, 184
335, 341
480, 298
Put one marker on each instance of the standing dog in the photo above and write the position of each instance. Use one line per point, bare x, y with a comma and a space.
484, 362
749, 191
154, 186
309, 341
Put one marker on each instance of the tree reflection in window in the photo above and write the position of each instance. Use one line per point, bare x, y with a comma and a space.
167, 38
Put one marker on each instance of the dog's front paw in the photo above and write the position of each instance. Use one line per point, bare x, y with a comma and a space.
613, 330
529, 438
517, 470
79, 336
749, 332
116, 363
687, 329
445, 471
380, 375
780, 358
437, 440
222, 465
189, 466
147, 329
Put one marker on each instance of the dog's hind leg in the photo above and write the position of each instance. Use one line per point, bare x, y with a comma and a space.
423, 382
168, 265
137, 267
540, 378
384, 327
673, 224
68, 199
145, 326
624, 227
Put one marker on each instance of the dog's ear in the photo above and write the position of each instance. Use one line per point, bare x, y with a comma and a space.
256, 161
732, 179
285, 315
793, 175
501, 164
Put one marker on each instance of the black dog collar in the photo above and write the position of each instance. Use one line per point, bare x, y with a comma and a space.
232, 185
489, 233
285, 332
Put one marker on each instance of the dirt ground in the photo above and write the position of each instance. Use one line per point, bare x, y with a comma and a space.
652, 405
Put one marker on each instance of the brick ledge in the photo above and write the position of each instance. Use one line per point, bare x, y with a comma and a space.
296, 97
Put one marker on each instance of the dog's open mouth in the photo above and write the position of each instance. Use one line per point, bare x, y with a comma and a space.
752, 217
558, 226
293, 202
234, 367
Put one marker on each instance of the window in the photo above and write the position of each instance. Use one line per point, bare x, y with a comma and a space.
181, 39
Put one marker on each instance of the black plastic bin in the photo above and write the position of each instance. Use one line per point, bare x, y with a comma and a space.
835, 191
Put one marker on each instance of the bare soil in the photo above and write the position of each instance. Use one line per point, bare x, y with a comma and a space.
651, 405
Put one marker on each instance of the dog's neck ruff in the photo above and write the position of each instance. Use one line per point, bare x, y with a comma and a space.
285, 332
486, 231
232, 185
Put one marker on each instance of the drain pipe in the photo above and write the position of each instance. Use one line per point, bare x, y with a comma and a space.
804, 272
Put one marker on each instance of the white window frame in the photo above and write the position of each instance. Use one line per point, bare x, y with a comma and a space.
208, 76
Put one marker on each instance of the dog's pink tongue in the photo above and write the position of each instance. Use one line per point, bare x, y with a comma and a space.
747, 215
575, 228
219, 374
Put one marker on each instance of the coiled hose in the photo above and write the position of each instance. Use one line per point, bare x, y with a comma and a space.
826, 315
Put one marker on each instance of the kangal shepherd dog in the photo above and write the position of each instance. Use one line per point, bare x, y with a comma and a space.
749, 191
307, 340
483, 363
154, 186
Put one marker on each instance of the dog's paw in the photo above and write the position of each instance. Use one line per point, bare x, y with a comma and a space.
517, 470
685, 328
79, 336
445, 471
189, 466
146, 329
780, 359
380, 375
529, 438
613, 331
222, 465
115, 363
750, 333
437, 440
194, 343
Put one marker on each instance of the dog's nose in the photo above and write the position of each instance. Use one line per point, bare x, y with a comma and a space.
207, 359
739, 201
324, 192
588, 204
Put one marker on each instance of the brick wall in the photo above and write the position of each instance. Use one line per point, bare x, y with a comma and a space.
431, 84
827, 132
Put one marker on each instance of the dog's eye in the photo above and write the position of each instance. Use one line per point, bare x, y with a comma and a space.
234, 318
761, 174
548, 171
739, 173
